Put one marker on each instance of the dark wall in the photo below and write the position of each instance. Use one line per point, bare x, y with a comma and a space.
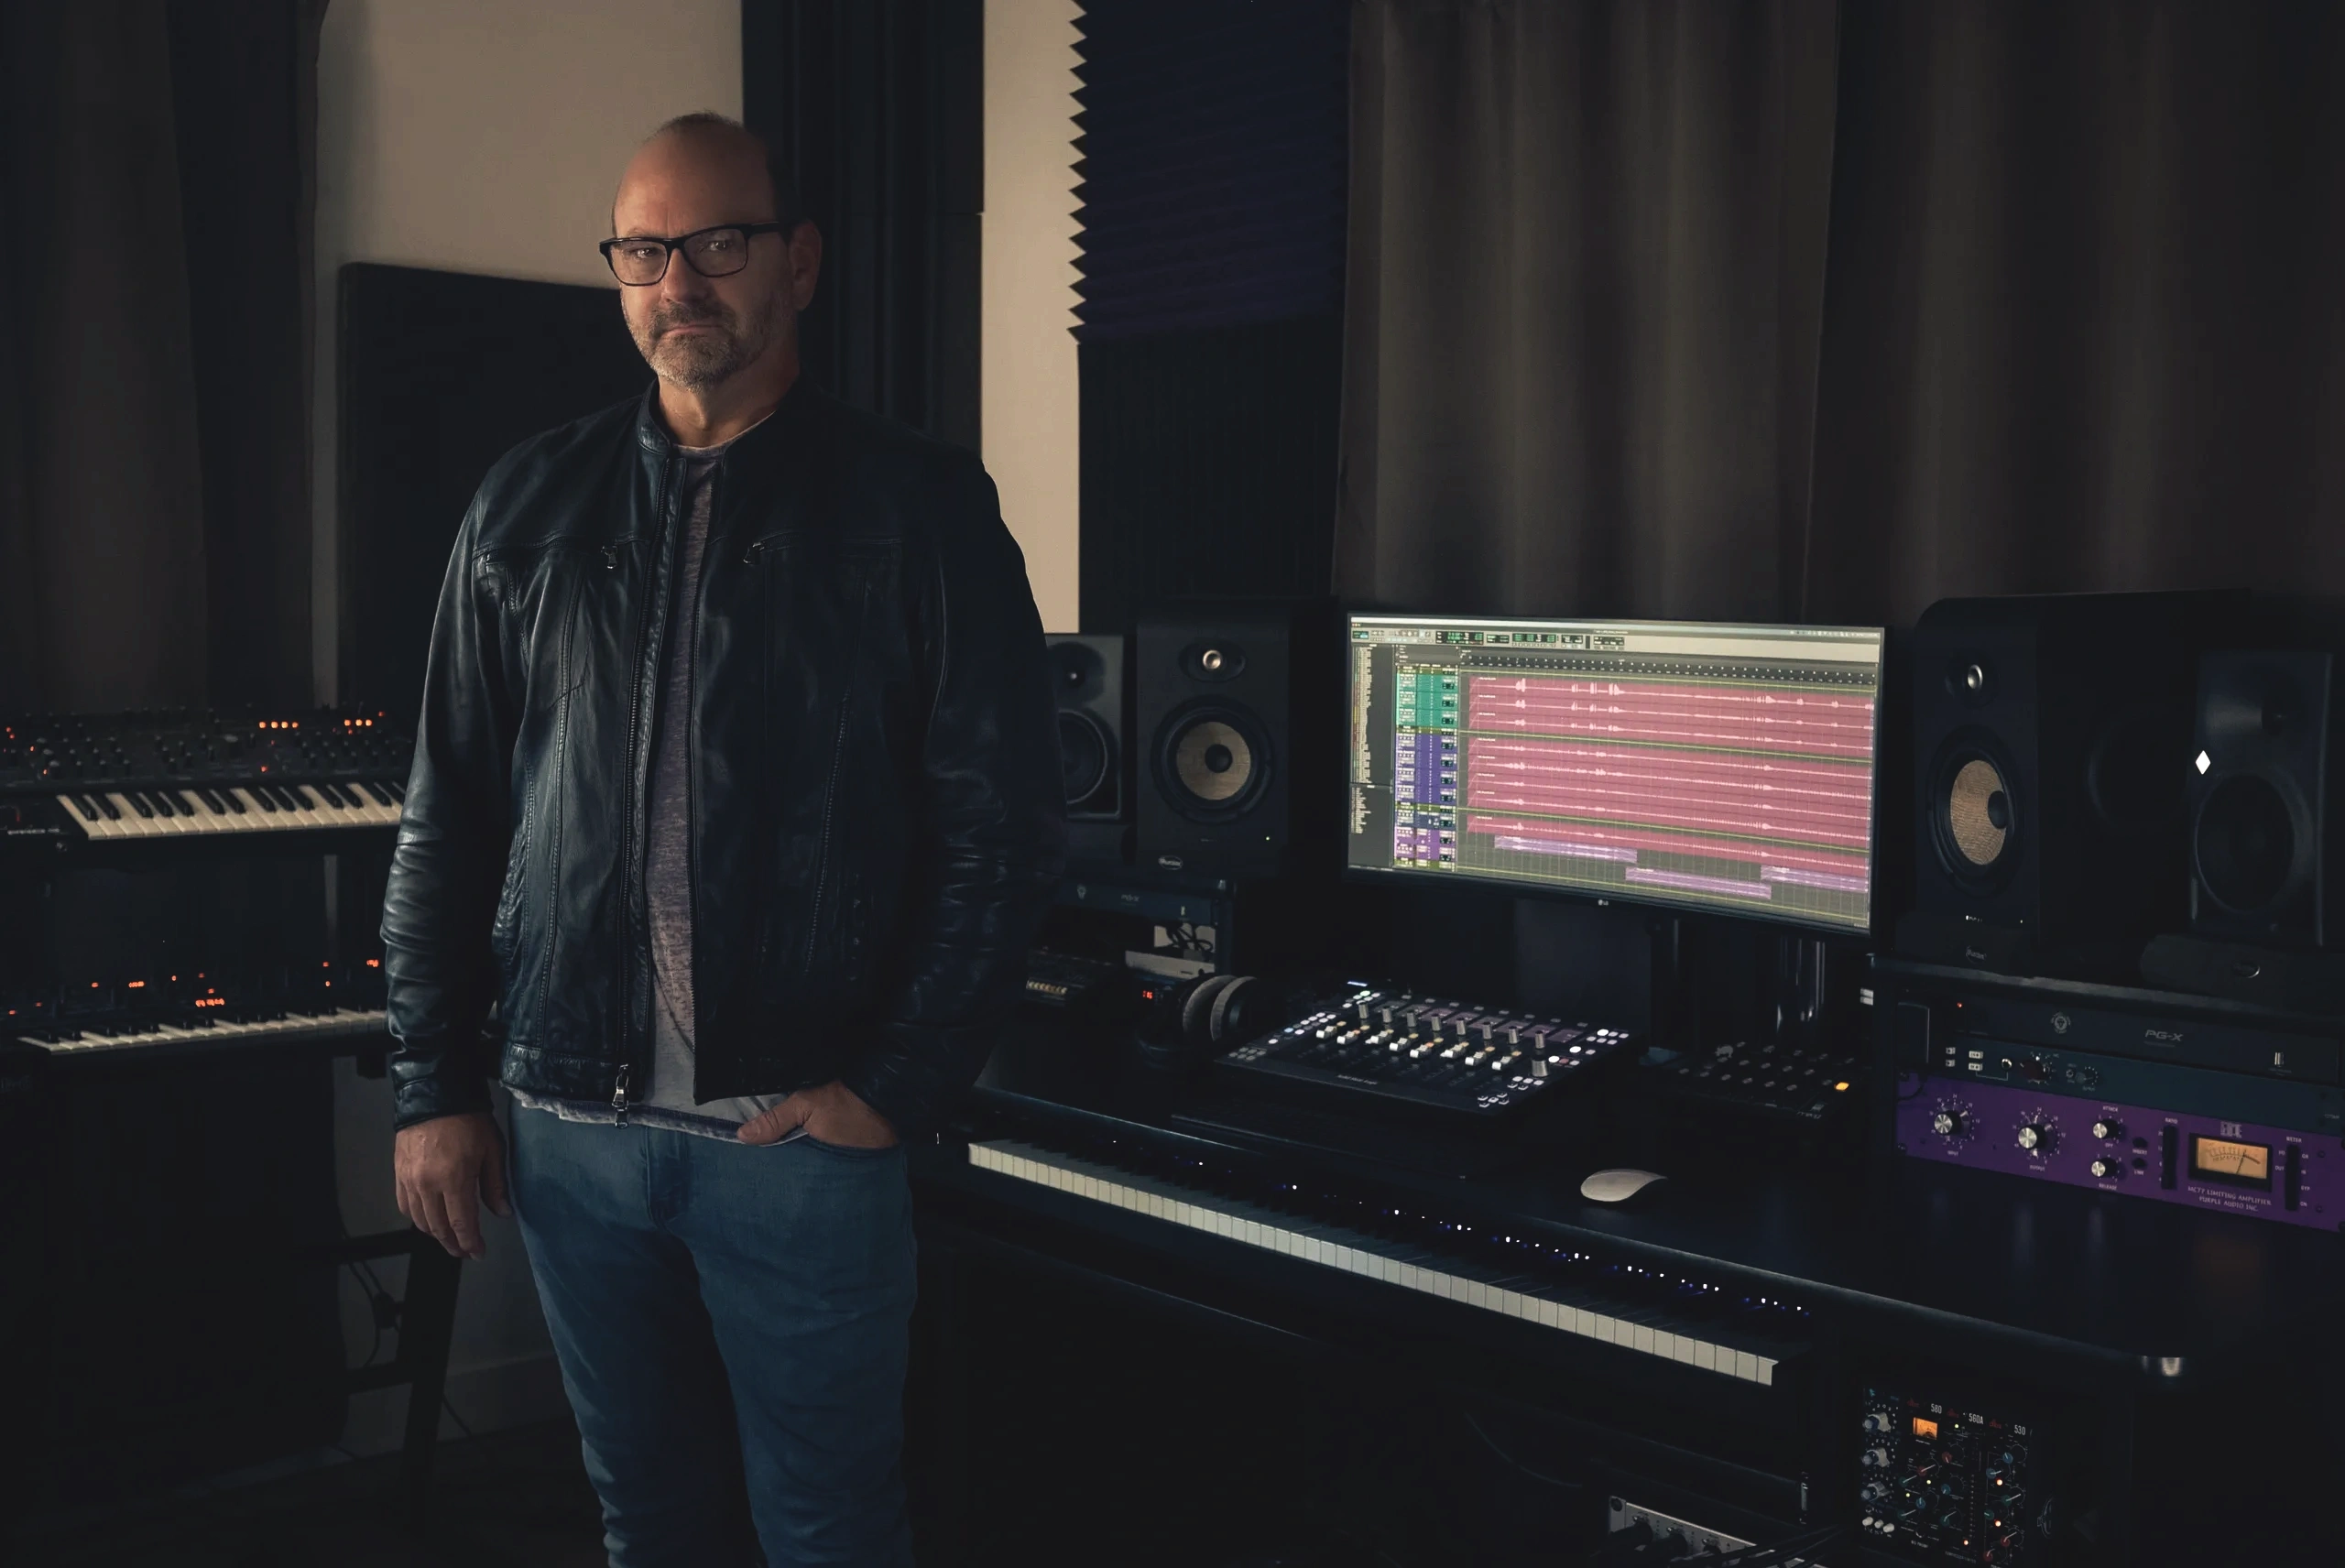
1208, 464
1213, 160
441, 374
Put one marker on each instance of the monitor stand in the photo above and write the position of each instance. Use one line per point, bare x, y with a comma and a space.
1756, 1025
1779, 989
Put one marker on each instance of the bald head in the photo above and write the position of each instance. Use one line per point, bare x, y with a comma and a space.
702, 332
703, 140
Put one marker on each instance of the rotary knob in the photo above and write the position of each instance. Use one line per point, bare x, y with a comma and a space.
2108, 1128
1946, 1124
2109, 1167
2036, 1137
1876, 1458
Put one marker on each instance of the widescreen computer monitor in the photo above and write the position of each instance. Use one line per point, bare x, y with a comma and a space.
1706, 767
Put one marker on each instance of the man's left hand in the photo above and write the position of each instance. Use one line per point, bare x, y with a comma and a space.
830, 1113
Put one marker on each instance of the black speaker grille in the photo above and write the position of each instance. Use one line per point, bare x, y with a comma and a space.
1087, 757
2246, 844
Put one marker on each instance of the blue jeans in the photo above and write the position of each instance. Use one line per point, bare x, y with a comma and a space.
728, 1318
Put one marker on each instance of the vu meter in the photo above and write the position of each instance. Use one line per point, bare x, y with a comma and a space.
1940, 1482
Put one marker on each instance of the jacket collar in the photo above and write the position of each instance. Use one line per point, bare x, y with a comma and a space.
799, 408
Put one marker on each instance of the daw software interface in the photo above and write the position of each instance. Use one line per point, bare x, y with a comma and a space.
1719, 767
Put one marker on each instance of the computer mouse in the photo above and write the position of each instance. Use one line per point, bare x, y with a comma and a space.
1618, 1185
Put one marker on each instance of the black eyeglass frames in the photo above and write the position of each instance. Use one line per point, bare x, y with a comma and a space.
640, 261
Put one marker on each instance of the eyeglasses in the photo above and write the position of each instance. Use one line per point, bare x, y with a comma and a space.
640, 261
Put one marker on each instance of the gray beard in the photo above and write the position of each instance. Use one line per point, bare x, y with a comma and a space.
697, 363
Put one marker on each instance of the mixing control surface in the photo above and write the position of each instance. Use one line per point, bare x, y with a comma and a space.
1425, 1050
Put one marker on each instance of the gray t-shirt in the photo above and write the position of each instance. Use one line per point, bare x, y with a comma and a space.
667, 1100
667, 834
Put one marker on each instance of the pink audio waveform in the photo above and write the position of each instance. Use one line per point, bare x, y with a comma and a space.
1666, 794
1819, 723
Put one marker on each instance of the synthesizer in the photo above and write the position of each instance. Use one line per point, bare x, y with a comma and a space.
72, 782
1446, 1055
174, 1015
1708, 1327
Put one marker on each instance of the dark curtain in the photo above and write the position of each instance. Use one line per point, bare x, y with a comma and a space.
878, 107
1796, 311
154, 471
2086, 323
1585, 271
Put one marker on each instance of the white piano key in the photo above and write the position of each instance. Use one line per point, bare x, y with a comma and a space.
257, 819
380, 809
313, 816
176, 821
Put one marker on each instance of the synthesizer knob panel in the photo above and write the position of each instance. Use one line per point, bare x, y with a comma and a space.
1941, 1483
1430, 1052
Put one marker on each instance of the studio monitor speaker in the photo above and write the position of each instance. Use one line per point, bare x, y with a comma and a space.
2264, 837
1087, 672
1092, 678
2050, 738
1236, 711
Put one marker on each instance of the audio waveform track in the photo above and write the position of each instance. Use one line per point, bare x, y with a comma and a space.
1740, 780
1775, 783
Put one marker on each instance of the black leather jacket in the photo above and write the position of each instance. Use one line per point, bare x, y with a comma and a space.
876, 804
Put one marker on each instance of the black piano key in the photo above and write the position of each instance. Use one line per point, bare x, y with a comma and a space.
262, 797
397, 790
283, 797
360, 796
105, 804
86, 807
140, 804
334, 799
301, 795
187, 806
227, 805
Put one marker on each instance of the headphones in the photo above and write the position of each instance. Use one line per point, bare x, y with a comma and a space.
1183, 1024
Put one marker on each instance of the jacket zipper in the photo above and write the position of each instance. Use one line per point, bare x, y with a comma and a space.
692, 766
669, 466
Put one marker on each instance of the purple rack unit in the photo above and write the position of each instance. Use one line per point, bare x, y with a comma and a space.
2240, 1168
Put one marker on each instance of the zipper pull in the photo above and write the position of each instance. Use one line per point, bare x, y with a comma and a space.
618, 1096
749, 556
610, 557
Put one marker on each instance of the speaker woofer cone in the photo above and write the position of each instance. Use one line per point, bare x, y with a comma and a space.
1974, 814
1086, 757
1213, 761
1978, 813
2246, 844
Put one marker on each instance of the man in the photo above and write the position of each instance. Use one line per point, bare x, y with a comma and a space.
736, 791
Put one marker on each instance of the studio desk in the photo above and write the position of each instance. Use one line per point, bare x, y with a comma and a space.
1729, 1348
